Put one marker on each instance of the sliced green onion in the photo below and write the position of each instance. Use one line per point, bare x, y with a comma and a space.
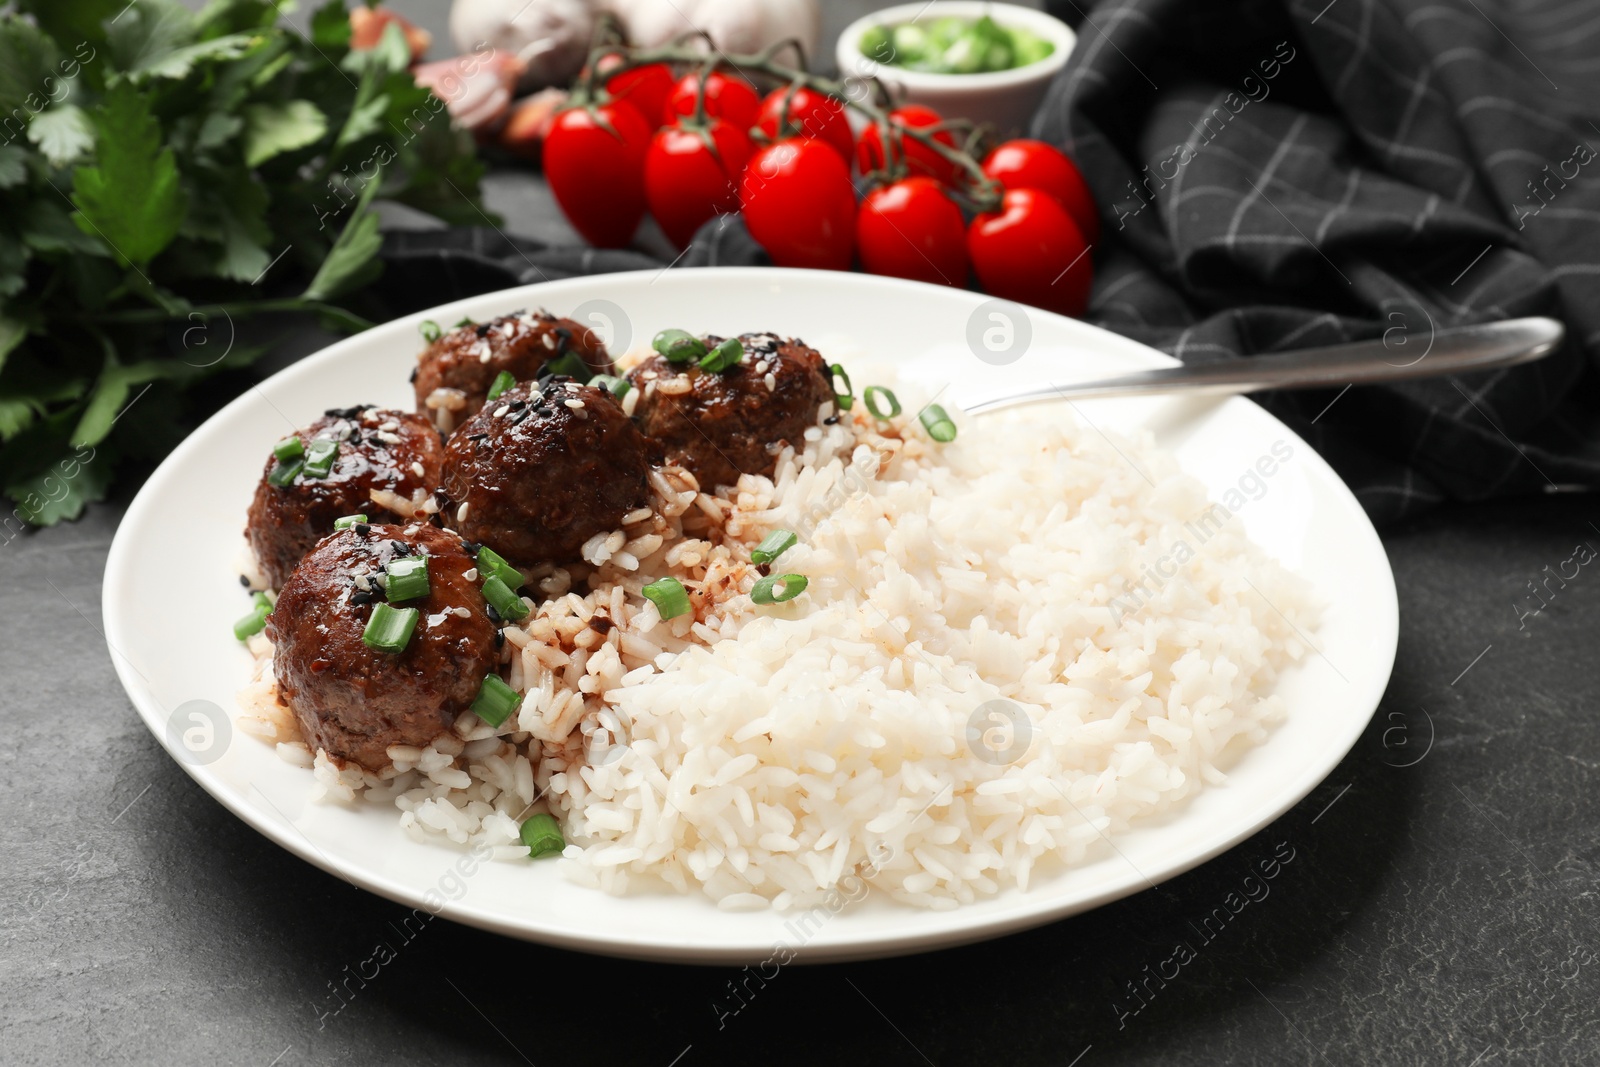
466, 320
407, 578
261, 602
430, 330
283, 473
495, 701
289, 448
390, 628
320, 457
937, 422
669, 597
542, 834
502, 381
679, 346
347, 521
875, 395
493, 565
725, 355
793, 585
504, 599
773, 545
617, 387
570, 364
848, 397
252, 623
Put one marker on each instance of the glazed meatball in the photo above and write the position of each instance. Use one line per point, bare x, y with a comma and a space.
354, 701
544, 468
720, 424
387, 451
455, 372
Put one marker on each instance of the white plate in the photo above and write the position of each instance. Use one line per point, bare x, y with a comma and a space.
171, 597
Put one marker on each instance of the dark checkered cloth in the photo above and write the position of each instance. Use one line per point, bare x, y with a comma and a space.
1280, 175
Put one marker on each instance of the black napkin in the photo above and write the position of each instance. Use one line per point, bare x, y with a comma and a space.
1327, 171
1274, 176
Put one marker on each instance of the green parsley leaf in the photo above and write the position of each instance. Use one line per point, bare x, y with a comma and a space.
64, 134
130, 197
271, 129
352, 259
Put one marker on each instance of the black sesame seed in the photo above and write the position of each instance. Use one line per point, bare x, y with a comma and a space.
471, 548
413, 378
400, 547
499, 639
476, 436
244, 581
831, 420
494, 616
518, 405
363, 529
483, 328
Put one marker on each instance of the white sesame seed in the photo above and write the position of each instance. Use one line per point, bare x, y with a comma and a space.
763, 367
772, 382
391, 426
501, 410
550, 341
416, 468
388, 438
575, 405
461, 513
471, 575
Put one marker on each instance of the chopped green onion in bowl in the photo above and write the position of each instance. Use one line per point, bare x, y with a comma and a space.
954, 45
502, 381
542, 834
407, 579
495, 700
773, 545
390, 628
669, 597
767, 590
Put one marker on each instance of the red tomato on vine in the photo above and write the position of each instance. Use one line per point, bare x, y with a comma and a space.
920, 159
812, 114
727, 98
692, 175
594, 162
1026, 164
1031, 251
799, 204
912, 229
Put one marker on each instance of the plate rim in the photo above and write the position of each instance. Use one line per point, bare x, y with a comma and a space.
1024, 913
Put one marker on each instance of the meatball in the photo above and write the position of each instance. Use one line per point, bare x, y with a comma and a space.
546, 467
720, 424
354, 701
467, 360
387, 451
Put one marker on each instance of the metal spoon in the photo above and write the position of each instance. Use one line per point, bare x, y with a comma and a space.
1457, 350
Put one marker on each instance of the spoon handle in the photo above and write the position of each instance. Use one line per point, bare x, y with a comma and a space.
1457, 350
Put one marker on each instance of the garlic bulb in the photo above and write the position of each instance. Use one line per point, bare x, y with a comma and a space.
734, 25
550, 37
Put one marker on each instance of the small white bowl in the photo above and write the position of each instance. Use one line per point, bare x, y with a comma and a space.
1006, 98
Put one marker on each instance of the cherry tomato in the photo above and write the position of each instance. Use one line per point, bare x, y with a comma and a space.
920, 159
596, 173
912, 229
1032, 252
799, 204
727, 98
646, 87
812, 114
1025, 164
686, 183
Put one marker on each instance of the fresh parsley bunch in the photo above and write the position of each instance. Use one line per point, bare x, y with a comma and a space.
164, 173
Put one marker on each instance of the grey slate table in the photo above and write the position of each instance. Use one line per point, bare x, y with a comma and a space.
1438, 904
1433, 902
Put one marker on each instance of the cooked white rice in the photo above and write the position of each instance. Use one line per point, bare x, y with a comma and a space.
758, 753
